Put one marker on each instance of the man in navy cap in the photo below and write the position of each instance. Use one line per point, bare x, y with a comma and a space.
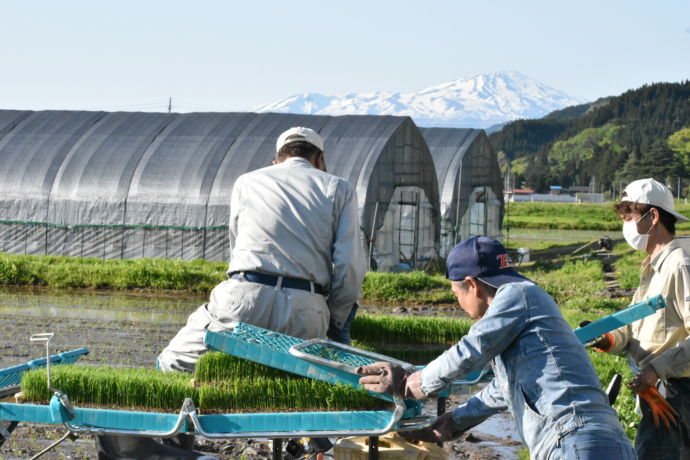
543, 375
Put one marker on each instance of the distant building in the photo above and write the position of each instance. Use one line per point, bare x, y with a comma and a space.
557, 194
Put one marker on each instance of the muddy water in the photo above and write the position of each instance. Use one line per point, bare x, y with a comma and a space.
118, 329
129, 330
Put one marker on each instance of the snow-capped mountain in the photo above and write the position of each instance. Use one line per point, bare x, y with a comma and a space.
472, 102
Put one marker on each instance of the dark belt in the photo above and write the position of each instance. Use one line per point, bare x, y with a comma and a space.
272, 280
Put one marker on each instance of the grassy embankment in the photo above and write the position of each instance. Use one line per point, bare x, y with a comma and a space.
570, 216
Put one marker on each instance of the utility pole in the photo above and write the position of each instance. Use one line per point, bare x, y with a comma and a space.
170, 105
507, 206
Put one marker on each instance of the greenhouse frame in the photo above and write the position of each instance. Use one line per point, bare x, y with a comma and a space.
128, 185
470, 184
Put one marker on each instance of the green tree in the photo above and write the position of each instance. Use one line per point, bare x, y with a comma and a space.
679, 142
503, 162
659, 162
632, 169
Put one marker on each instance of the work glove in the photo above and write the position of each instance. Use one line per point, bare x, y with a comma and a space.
443, 429
602, 343
661, 409
644, 384
389, 378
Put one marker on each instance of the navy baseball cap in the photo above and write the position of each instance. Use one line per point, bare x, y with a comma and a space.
483, 258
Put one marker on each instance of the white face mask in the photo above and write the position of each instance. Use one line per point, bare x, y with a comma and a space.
634, 239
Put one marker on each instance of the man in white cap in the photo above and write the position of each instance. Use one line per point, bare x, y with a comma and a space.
297, 261
658, 346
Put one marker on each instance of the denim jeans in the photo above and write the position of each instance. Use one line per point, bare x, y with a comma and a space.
342, 335
594, 442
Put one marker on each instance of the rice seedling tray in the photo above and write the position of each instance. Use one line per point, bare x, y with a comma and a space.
10, 377
155, 424
236, 425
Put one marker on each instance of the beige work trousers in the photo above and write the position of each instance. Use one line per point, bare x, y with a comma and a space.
294, 312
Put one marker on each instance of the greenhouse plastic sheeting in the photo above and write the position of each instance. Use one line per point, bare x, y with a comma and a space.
470, 183
130, 185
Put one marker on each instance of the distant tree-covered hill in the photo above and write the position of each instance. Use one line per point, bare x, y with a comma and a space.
641, 133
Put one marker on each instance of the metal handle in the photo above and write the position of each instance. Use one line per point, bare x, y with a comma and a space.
45, 337
416, 423
296, 350
395, 418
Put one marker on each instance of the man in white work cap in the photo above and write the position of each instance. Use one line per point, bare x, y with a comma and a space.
658, 346
297, 261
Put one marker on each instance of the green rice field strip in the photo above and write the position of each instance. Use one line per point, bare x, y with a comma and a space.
387, 329
571, 216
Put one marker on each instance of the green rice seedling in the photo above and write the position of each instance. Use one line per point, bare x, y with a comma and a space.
419, 355
112, 386
216, 366
14, 270
362, 345
281, 394
406, 287
149, 388
576, 216
628, 265
408, 329
576, 309
76, 272
573, 277
416, 356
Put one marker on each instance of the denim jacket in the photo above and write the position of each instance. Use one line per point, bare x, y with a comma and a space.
543, 375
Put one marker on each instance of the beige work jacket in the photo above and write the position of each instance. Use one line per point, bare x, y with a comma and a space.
294, 220
662, 338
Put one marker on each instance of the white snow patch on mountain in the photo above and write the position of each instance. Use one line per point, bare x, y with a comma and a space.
479, 101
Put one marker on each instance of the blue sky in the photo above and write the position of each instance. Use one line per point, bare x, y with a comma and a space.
227, 55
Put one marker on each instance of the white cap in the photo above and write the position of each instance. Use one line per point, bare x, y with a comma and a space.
649, 191
297, 134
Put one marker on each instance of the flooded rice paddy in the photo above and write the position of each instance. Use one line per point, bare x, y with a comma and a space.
118, 329
123, 329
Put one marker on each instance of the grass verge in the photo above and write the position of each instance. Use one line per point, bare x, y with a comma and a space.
572, 216
198, 276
